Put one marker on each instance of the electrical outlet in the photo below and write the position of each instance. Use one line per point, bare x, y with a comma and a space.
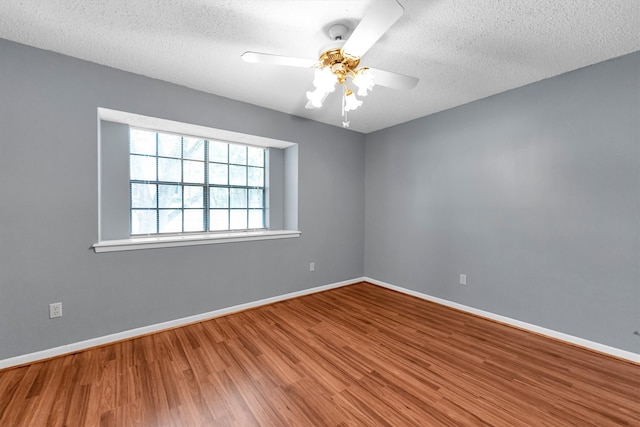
312, 266
463, 279
55, 310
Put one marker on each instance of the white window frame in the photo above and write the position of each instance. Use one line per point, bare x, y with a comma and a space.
189, 239
202, 183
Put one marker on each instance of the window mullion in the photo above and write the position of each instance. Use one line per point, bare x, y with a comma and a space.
246, 185
205, 191
157, 187
228, 191
182, 179
264, 184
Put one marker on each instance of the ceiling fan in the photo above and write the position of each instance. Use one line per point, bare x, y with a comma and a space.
339, 60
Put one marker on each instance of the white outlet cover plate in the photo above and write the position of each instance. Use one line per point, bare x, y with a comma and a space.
55, 310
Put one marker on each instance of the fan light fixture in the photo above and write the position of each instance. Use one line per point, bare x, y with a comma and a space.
335, 68
339, 61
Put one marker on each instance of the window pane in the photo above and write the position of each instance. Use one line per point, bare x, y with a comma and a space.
170, 170
218, 152
143, 195
170, 221
142, 168
256, 218
256, 156
193, 148
142, 142
237, 154
255, 198
143, 222
169, 145
219, 197
169, 196
238, 197
218, 174
193, 220
238, 219
193, 197
193, 171
237, 175
218, 220
256, 177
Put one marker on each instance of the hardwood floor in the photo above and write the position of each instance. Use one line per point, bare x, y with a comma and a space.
358, 355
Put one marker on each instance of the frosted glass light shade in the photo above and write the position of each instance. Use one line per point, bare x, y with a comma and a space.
324, 80
351, 102
365, 81
316, 98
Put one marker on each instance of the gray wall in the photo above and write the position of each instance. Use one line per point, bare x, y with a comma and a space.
49, 208
533, 193
114, 185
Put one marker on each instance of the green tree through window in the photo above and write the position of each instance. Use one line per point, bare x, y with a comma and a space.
184, 184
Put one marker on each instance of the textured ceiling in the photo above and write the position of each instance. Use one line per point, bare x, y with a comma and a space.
461, 50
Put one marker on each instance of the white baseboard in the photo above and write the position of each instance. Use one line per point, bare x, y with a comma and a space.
132, 333
622, 354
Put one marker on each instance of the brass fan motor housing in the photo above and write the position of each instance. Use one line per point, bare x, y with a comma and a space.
339, 63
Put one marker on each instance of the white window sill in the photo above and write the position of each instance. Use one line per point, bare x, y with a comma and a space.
153, 242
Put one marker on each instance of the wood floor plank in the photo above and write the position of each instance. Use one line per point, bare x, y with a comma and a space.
359, 355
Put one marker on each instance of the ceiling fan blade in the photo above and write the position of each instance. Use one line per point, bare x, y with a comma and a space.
266, 58
378, 18
393, 80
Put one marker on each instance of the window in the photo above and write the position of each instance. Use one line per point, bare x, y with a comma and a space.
160, 187
182, 184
